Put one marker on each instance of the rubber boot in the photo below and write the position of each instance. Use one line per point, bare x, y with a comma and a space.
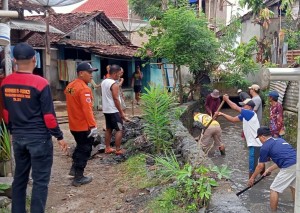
72, 170
79, 179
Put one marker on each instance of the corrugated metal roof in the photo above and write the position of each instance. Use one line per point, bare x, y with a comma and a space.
291, 98
280, 87
34, 26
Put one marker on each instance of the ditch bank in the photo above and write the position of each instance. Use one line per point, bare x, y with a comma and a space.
224, 199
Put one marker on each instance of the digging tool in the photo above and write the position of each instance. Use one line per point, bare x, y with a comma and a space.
241, 192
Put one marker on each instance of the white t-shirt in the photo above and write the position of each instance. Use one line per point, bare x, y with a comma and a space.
108, 104
250, 126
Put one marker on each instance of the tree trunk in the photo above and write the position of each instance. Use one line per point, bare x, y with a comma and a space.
298, 18
180, 85
164, 5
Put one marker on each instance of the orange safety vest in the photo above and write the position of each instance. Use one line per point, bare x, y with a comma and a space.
80, 106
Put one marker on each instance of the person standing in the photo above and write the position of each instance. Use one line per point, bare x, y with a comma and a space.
112, 110
120, 82
284, 157
243, 95
213, 132
250, 126
212, 102
276, 115
29, 114
82, 123
136, 83
254, 92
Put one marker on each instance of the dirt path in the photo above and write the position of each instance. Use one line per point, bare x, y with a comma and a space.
107, 193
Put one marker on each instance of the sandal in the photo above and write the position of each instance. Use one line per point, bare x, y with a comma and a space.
120, 152
109, 150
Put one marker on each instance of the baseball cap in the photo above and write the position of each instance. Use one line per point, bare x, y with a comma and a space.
84, 66
263, 131
239, 90
274, 94
248, 102
254, 87
23, 51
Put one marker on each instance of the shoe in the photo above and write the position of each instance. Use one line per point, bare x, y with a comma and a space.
109, 150
81, 181
72, 171
222, 149
120, 152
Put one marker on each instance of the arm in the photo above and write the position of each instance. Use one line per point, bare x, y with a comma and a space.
115, 95
231, 104
121, 81
207, 101
132, 81
50, 120
230, 118
259, 168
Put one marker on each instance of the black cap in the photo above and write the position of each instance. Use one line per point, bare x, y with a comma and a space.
264, 130
84, 66
248, 102
23, 51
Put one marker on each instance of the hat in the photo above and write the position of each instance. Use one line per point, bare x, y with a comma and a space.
85, 67
255, 87
248, 102
263, 131
23, 51
274, 94
215, 93
239, 90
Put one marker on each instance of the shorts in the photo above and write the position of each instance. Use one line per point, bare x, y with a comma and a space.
113, 121
285, 178
253, 157
137, 88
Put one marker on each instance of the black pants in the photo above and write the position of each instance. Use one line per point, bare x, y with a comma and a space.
82, 151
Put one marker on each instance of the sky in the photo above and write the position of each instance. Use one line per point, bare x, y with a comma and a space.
68, 9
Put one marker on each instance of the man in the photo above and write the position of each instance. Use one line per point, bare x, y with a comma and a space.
81, 121
212, 102
284, 157
254, 92
242, 95
112, 110
29, 114
136, 83
250, 126
276, 115
214, 132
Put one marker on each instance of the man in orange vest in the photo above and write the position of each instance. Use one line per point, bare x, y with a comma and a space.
81, 121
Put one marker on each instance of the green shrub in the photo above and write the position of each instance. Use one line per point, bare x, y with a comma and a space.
5, 146
156, 107
193, 185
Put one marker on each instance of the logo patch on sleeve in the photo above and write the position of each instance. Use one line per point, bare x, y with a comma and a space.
87, 95
88, 100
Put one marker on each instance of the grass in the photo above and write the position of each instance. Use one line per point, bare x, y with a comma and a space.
135, 169
165, 203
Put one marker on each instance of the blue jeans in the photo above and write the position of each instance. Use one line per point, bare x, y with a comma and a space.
35, 154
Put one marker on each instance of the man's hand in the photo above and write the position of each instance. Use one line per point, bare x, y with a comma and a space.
220, 113
250, 182
225, 97
267, 172
93, 133
63, 145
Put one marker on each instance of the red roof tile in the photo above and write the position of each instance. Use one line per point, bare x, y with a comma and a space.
112, 8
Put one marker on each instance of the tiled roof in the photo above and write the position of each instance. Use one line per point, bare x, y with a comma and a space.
101, 49
112, 8
21, 5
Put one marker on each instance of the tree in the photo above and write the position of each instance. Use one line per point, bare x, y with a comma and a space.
154, 8
183, 39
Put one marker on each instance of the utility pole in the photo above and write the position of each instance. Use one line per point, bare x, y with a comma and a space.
8, 68
291, 74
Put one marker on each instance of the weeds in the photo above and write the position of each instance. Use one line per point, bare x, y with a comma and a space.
193, 185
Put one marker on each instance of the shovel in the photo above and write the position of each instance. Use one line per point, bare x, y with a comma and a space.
241, 192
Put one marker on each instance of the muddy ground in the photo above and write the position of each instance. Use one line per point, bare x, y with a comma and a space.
109, 191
